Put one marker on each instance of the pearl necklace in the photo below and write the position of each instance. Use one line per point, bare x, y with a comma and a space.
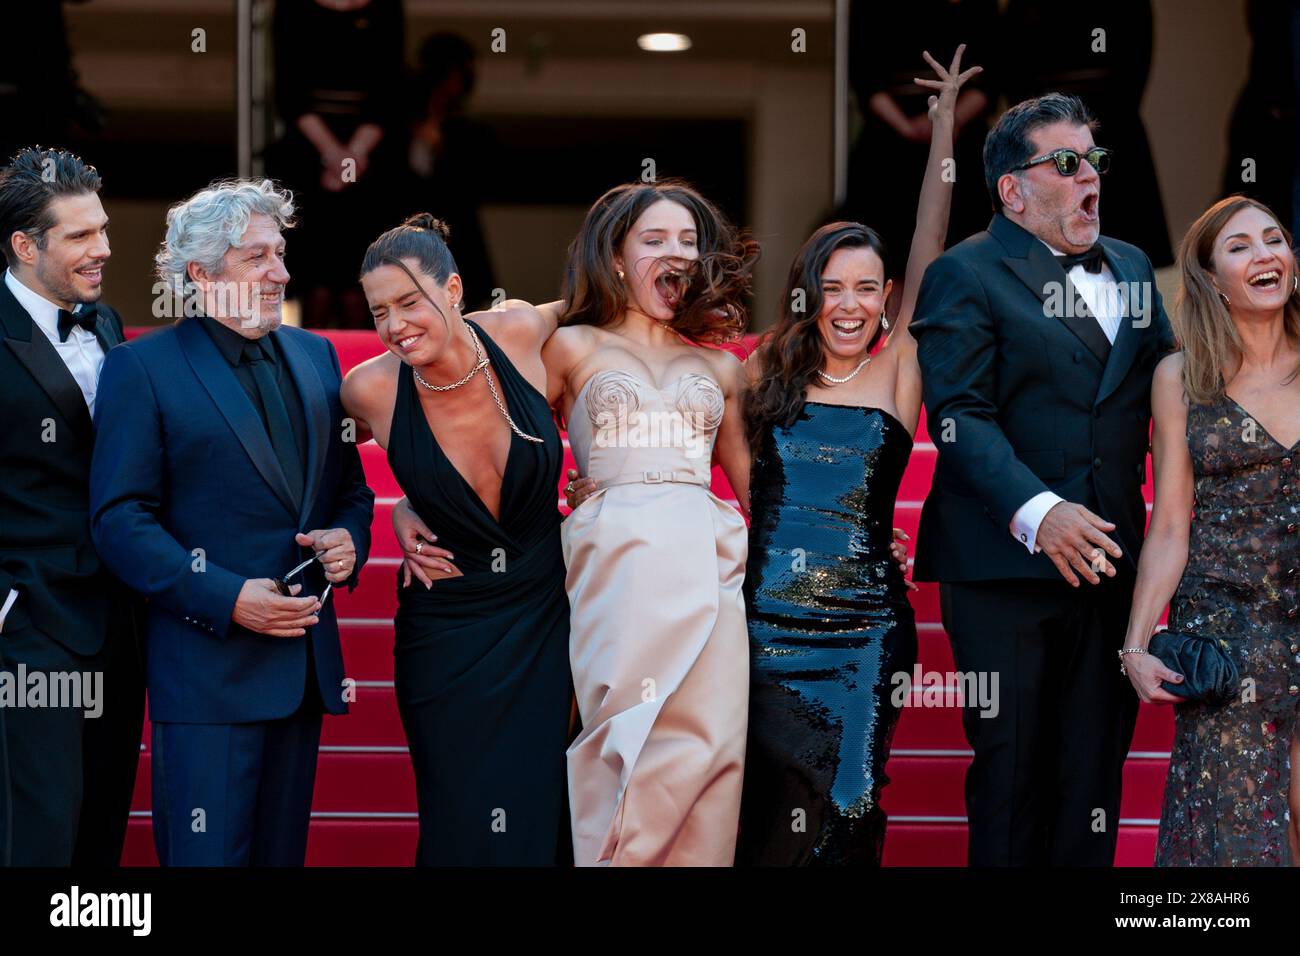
840, 381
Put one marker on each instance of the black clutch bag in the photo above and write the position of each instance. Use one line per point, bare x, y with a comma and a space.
1209, 672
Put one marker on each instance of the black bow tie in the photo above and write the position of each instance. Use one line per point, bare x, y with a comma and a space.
86, 318
1091, 260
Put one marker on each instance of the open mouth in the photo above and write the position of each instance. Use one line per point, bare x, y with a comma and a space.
408, 343
847, 328
671, 287
1088, 207
93, 273
1265, 280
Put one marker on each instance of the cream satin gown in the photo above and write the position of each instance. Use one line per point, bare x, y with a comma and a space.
658, 644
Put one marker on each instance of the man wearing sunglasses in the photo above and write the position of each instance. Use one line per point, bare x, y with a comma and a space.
1037, 341
225, 488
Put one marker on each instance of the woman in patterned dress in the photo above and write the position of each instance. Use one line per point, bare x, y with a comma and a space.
1223, 540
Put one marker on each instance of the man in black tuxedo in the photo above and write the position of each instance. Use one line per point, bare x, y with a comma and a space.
66, 772
1037, 340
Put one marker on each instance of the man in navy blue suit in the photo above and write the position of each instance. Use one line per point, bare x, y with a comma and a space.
221, 463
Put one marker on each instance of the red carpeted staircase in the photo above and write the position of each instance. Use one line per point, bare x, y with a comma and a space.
364, 810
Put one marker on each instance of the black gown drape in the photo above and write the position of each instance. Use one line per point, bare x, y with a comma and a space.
482, 661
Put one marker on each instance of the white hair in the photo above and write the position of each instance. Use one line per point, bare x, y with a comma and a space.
210, 223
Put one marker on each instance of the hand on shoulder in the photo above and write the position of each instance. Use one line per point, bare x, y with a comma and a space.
514, 320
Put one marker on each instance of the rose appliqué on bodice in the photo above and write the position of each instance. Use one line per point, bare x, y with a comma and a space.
700, 400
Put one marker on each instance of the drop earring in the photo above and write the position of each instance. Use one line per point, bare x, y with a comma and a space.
884, 322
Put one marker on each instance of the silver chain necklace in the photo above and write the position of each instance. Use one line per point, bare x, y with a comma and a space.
480, 363
840, 381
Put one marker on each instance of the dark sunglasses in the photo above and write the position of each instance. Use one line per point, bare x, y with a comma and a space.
284, 584
1067, 160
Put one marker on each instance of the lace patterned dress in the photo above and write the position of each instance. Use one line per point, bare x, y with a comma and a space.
1229, 774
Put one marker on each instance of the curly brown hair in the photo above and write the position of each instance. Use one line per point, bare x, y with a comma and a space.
713, 309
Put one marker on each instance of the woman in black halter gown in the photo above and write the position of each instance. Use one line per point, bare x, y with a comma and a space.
481, 658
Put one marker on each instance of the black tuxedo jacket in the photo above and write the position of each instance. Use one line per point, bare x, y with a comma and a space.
46, 553
1024, 394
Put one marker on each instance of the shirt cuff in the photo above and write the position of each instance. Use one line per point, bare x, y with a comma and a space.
1025, 522
4, 609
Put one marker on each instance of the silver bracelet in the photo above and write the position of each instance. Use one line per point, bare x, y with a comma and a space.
1128, 650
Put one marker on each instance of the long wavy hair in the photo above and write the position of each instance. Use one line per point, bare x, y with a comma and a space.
791, 354
1207, 334
713, 309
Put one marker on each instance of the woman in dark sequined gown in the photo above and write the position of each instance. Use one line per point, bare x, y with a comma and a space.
1223, 541
829, 621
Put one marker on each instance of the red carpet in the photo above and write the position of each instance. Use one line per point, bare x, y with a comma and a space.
364, 810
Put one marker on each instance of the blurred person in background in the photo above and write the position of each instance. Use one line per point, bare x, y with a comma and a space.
895, 138
338, 78
1104, 59
1263, 131
41, 98
450, 158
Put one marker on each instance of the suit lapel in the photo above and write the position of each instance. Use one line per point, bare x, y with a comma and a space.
219, 380
108, 330
316, 408
1127, 337
1035, 266
33, 349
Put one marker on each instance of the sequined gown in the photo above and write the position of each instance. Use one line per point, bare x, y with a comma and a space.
657, 646
1226, 796
829, 624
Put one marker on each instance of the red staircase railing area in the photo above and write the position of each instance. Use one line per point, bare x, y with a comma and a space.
364, 808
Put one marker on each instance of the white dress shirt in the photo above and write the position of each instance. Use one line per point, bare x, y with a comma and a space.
1098, 290
82, 354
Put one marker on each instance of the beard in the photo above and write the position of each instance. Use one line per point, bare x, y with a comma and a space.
59, 283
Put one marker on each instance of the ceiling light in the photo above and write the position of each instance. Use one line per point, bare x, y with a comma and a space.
664, 42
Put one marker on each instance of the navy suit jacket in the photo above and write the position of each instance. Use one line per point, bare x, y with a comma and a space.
188, 501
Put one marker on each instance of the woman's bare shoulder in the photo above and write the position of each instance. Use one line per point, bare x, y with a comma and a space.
369, 380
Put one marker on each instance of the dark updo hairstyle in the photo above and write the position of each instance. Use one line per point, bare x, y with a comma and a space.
421, 237
790, 355
713, 308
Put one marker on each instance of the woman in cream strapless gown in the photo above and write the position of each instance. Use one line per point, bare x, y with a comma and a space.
655, 561
658, 641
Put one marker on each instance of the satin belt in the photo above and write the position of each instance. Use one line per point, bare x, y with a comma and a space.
654, 478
